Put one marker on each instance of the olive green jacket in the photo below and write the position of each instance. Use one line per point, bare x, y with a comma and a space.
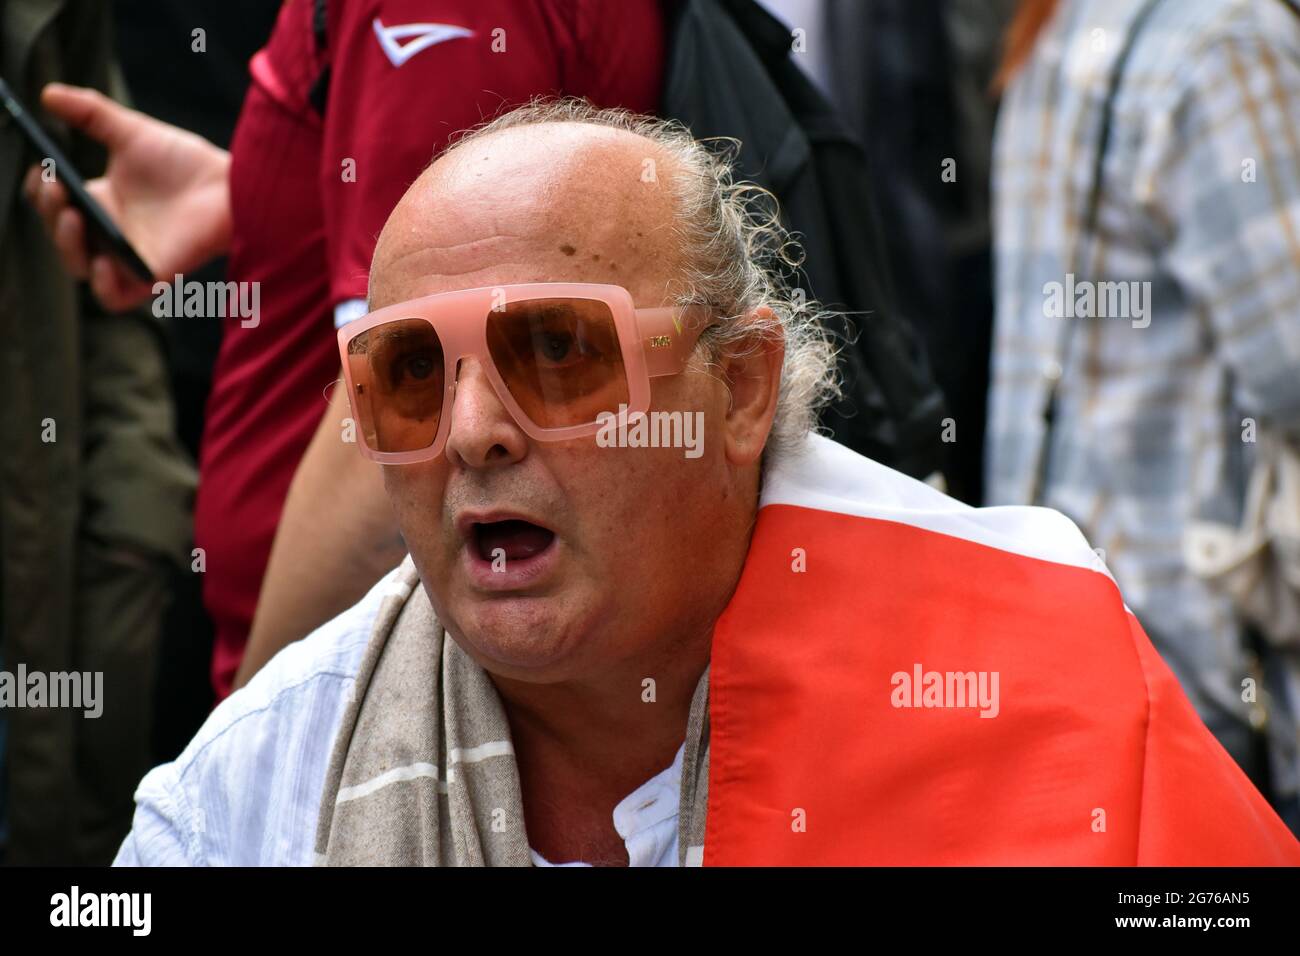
95, 491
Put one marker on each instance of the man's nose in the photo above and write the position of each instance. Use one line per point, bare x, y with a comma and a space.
482, 432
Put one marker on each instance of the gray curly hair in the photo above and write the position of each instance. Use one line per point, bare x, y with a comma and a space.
738, 257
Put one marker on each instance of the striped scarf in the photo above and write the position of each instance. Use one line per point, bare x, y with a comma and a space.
423, 770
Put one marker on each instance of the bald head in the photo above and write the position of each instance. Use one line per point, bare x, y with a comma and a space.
553, 202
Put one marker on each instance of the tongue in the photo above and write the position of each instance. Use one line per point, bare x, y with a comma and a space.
518, 539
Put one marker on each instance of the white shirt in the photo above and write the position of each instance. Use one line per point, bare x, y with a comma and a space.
247, 789
646, 819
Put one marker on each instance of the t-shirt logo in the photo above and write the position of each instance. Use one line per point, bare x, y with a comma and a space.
418, 36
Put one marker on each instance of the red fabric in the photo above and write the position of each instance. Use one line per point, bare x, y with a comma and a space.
803, 718
307, 235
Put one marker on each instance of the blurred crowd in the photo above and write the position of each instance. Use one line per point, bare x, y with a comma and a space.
1087, 235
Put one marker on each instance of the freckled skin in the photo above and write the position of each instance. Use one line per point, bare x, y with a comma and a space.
650, 543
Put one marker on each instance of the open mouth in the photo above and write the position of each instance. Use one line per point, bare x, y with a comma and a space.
513, 539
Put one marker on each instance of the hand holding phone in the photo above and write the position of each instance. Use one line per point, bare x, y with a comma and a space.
165, 194
104, 234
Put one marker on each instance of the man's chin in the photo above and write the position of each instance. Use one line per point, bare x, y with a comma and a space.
517, 635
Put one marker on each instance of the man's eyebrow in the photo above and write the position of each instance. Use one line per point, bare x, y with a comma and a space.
405, 332
543, 310
382, 337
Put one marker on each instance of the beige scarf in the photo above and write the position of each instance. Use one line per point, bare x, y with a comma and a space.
423, 771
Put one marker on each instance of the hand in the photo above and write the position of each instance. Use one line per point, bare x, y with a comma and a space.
167, 189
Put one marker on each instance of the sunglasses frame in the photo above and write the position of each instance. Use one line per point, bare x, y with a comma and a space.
654, 342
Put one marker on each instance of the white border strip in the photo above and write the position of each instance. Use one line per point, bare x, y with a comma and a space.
828, 476
415, 771
422, 770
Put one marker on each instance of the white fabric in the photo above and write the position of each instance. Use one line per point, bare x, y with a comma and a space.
646, 819
349, 310
830, 477
246, 791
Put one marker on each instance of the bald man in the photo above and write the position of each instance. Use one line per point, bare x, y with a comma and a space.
614, 643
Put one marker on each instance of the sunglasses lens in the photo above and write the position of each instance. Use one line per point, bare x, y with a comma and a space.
560, 359
398, 374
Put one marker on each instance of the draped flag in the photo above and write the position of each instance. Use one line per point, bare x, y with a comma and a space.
901, 679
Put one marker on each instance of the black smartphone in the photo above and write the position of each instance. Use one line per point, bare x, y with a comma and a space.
102, 233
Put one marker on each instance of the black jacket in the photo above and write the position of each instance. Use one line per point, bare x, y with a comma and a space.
729, 73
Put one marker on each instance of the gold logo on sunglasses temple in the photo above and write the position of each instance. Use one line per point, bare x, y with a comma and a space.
661, 342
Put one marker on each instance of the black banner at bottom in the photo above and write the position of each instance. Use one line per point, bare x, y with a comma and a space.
212, 907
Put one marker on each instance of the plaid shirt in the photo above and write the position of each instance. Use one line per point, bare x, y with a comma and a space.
1200, 198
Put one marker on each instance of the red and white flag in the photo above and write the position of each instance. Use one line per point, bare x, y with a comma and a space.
901, 679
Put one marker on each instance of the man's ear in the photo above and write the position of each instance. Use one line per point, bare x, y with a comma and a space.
753, 376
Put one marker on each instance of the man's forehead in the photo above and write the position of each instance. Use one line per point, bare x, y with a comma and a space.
549, 202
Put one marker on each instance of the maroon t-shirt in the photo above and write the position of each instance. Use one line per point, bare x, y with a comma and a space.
330, 136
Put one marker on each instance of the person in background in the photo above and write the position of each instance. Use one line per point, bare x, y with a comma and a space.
1155, 147
95, 491
349, 102
913, 79
186, 62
